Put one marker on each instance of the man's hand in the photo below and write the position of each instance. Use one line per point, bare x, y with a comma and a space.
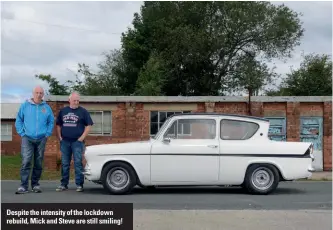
85, 133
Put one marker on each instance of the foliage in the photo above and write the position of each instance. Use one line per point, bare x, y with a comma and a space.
55, 88
104, 82
252, 75
313, 78
151, 77
194, 48
199, 44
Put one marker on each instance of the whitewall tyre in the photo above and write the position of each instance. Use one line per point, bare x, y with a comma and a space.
118, 178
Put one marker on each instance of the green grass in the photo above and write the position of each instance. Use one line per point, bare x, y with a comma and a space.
11, 165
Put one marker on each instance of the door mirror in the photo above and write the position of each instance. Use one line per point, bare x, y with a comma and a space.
166, 139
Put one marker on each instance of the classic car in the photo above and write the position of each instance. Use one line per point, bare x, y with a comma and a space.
201, 149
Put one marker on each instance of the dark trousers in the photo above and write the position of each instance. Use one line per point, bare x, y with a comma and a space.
68, 148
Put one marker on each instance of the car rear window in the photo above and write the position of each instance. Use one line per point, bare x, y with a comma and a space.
237, 130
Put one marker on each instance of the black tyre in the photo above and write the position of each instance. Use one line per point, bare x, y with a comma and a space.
261, 179
118, 178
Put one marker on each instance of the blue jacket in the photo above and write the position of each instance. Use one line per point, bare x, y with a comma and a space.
34, 120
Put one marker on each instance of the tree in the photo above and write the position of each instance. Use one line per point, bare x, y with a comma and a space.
251, 76
313, 78
201, 43
55, 88
151, 77
104, 81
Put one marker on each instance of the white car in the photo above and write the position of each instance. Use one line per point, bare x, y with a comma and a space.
201, 149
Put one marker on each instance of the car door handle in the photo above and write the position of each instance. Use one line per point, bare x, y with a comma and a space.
212, 146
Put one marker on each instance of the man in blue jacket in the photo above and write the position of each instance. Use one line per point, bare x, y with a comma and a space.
34, 123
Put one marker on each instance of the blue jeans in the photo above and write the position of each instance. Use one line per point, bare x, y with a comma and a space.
31, 147
67, 148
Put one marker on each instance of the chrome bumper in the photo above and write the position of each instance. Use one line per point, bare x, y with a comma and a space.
312, 157
86, 172
310, 169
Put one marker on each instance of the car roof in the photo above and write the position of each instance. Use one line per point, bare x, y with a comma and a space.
220, 115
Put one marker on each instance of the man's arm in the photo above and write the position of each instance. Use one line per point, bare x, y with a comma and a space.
59, 132
88, 123
50, 123
85, 133
19, 121
59, 124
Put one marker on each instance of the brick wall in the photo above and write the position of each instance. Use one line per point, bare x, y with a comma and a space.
327, 141
131, 121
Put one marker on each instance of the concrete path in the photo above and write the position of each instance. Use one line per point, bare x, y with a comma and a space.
321, 176
232, 220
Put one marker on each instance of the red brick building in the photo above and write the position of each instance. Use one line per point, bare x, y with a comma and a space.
123, 119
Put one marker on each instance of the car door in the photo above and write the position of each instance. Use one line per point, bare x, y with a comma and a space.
187, 153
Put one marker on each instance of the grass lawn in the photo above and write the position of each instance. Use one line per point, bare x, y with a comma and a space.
10, 169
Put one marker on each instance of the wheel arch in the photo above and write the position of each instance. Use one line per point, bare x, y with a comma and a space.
277, 167
124, 162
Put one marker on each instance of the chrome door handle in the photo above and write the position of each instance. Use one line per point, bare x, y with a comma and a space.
212, 146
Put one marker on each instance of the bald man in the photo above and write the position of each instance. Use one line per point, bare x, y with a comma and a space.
34, 123
73, 125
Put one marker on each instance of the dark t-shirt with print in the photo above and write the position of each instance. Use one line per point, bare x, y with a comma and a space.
73, 122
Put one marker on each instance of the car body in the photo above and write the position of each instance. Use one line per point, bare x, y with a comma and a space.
201, 149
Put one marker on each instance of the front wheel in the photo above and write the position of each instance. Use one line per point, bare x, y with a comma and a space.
118, 178
261, 179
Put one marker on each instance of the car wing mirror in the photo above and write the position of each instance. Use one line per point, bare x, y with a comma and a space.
166, 139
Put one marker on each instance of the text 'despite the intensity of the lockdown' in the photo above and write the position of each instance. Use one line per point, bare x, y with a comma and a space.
66, 216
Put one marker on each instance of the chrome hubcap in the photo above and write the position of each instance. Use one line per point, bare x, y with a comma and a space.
118, 179
262, 178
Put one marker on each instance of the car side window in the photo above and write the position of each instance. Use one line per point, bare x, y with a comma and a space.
192, 129
237, 130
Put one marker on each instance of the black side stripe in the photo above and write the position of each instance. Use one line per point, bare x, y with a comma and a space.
219, 155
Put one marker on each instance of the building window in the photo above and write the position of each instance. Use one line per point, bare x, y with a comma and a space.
157, 119
102, 122
237, 130
277, 128
6, 132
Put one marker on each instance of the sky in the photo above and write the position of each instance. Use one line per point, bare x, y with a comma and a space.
53, 37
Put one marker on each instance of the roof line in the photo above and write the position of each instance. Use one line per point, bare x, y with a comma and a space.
189, 99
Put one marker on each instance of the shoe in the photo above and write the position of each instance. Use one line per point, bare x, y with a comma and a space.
36, 189
21, 190
79, 189
61, 188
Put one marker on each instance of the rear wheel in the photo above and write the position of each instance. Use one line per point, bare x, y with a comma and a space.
261, 179
118, 178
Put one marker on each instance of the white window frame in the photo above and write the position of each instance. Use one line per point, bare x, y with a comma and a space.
9, 132
158, 121
176, 121
102, 133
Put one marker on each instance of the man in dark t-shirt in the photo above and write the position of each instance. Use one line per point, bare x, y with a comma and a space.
73, 125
